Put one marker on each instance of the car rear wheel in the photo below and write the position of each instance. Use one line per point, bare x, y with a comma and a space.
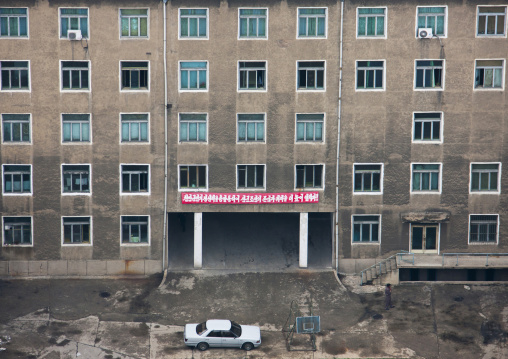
202, 346
248, 346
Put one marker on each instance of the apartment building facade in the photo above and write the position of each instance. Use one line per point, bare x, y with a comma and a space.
147, 135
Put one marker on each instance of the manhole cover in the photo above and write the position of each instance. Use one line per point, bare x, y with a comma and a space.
458, 299
377, 316
105, 294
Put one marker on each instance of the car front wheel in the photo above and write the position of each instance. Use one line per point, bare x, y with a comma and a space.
248, 346
202, 346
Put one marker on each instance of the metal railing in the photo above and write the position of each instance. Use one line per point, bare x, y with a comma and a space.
380, 264
473, 254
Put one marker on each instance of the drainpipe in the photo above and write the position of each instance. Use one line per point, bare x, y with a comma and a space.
338, 139
165, 229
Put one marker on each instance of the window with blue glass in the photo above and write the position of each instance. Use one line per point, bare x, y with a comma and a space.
15, 75
253, 23
16, 128
371, 22
17, 179
134, 127
311, 22
433, 18
193, 23
73, 19
76, 128
13, 22
366, 229
193, 75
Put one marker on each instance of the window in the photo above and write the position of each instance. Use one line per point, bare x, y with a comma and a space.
134, 75
17, 231
251, 127
370, 75
76, 128
252, 75
17, 179
483, 228
429, 74
135, 179
193, 75
193, 177
13, 22
485, 177
250, 176
75, 75
311, 75
426, 177
491, 21
253, 23
16, 128
427, 127
371, 22
309, 176
73, 19
193, 23
134, 229
489, 74
15, 75
75, 179
368, 178
134, 23
433, 18
134, 127
76, 230
193, 127
309, 127
366, 229
311, 22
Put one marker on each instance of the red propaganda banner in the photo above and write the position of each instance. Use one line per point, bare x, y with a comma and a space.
249, 198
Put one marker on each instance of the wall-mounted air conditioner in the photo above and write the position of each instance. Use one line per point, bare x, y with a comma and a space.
74, 35
425, 33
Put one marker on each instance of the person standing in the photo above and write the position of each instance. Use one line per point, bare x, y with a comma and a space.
388, 297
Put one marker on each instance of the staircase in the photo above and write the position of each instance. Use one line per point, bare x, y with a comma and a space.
372, 275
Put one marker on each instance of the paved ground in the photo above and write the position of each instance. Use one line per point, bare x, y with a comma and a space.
135, 318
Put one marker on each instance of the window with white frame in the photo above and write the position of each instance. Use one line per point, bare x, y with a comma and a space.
426, 177
16, 128
134, 127
17, 179
370, 75
367, 178
135, 229
489, 74
134, 23
252, 75
76, 179
192, 177
429, 74
134, 75
485, 177
251, 127
252, 24
135, 179
193, 75
371, 22
17, 231
309, 127
76, 230
193, 23
75, 75
193, 127
15, 75
312, 22
13, 22
433, 17
427, 127
311, 75
491, 21
250, 176
73, 19
483, 228
366, 229
309, 176
75, 128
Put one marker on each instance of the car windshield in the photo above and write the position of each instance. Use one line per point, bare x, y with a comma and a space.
236, 328
200, 328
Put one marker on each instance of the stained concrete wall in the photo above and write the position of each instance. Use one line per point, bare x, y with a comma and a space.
377, 127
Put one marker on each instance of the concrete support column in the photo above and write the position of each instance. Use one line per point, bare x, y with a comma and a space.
304, 239
198, 240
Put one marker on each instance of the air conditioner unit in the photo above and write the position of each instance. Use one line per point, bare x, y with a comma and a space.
74, 34
425, 33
